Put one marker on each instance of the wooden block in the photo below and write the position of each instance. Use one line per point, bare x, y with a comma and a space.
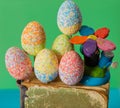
58, 95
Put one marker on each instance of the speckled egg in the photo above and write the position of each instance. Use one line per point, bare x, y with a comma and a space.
33, 38
62, 45
71, 68
46, 66
69, 18
18, 63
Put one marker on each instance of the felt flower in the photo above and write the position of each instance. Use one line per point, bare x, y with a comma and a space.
99, 36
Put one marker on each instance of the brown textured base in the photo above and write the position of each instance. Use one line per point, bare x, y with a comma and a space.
58, 95
23, 90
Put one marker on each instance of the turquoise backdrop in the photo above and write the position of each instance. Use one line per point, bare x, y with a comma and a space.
15, 14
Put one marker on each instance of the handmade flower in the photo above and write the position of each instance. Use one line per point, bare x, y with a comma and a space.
98, 35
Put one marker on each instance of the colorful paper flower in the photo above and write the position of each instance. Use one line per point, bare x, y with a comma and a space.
99, 36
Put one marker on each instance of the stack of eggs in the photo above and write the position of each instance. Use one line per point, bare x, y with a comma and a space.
71, 67
61, 60
69, 21
17, 61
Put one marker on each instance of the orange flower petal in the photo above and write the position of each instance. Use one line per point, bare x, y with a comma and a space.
78, 39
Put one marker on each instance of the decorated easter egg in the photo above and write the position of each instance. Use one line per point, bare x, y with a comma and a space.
33, 38
71, 68
46, 66
69, 18
61, 45
18, 63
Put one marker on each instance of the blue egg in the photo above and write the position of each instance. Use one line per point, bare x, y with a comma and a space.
69, 18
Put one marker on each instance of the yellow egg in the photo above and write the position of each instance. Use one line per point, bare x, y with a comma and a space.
46, 66
62, 45
33, 38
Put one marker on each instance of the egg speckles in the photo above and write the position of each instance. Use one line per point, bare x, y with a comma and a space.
18, 63
69, 18
71, 68
33, 38
46, 66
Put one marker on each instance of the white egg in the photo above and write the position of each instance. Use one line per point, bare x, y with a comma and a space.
69, 18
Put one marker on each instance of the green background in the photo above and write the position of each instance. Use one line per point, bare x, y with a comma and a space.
15, 14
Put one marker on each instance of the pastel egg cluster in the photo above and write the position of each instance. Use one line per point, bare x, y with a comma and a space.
62, 60
18, 63
46, 65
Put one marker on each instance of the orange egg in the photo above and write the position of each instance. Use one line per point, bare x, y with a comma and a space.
33, 38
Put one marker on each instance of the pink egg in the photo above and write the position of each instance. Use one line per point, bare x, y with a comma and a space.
18, 63
71, 68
